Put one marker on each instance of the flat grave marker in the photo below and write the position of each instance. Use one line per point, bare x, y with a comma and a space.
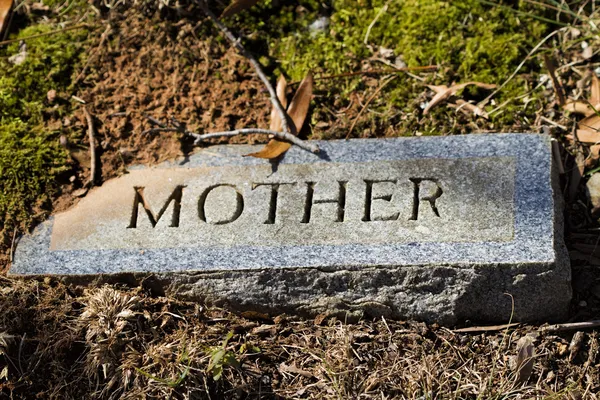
433, 228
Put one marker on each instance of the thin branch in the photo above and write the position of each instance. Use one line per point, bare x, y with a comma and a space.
372, 71
198, 138
92, 140
257, 67
69, 28
571, 326
372, 24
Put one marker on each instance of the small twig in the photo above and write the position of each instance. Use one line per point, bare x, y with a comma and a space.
199, 138
384, 84
257, 67
70, 28
492, 328
12, 245
372, 71
118, 114
372, 24
78, 99
92, 140
154, 121
558, 88
571, 326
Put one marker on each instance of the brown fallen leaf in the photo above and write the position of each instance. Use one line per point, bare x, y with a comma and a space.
297, 113
576, 344
591, 123
525, 358
237, 6
292, 369
473, 108
5, 6
444, 92
579, 107
595, 90
275, 118
594, 156
585, 136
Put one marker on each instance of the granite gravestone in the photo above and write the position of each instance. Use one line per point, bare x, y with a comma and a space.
439, 229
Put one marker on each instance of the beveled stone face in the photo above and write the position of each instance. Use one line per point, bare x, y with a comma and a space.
441, 200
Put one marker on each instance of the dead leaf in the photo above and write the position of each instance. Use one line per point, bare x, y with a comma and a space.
275, 118
576, 344
82, 157
237, 6
265, 330
587, 136
473, 108
297, 114
444, 92
595, 90
5, 6
579, 107
591, 123
319, 319
525, 358
292, 369
255, 316
80, 192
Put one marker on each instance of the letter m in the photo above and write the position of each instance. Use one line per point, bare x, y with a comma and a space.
140, 199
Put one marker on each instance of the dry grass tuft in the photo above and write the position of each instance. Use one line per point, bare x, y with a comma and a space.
109, 343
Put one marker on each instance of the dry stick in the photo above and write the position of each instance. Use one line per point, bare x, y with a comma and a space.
571, 326
372, 71
558, 88
372, 24
90, 122
288, 137
384, 84
238, 45
70, 28
12, 245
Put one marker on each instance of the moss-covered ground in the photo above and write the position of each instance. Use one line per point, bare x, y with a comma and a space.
31, 157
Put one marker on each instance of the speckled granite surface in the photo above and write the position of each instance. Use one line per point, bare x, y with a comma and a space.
494, 227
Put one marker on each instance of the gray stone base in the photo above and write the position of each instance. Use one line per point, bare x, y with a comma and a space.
495, 232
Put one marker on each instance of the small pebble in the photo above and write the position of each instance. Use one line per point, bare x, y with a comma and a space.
583, 303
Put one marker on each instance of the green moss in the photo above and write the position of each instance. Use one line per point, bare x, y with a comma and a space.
29, 163
470, 41
30, 156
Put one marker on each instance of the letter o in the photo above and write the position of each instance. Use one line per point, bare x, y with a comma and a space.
239, 201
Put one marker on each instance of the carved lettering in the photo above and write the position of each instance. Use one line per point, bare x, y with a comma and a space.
340, 201
431, 198
369, 200
273, 198
239, 202
140, 199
